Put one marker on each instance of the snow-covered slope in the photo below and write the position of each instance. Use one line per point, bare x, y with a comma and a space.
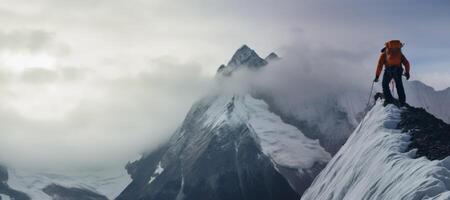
33, 183
4, 197
230, 146
6, 192
330, 119
375, 164
283, 143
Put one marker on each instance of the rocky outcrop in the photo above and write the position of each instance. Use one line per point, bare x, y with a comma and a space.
429, 135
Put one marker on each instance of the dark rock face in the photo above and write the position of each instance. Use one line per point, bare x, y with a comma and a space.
3, 174
6, 190
430, 135
208, 162
58, 192
244, 57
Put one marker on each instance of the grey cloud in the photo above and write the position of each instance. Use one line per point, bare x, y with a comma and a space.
73, 73
30, 40
39, 75
113, 121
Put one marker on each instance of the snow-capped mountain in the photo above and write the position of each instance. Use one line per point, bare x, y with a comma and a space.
229, 147
380, 159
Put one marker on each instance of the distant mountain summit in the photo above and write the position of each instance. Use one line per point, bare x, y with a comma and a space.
245, 57
272, 56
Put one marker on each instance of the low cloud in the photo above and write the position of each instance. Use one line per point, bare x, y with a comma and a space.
39, 75
309, 76
94, 122
31, 41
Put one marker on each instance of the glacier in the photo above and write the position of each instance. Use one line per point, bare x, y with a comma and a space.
375, 164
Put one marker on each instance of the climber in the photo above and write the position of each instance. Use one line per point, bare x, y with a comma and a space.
393, 58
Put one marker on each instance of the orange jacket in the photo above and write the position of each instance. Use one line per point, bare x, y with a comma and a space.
392, 61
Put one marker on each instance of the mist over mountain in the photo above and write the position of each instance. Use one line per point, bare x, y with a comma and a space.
248, 132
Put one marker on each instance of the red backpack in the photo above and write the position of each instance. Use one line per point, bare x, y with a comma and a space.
393, 52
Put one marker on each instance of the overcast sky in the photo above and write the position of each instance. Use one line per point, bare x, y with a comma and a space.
109, 78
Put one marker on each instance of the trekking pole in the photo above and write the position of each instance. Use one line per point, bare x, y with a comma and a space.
370, 94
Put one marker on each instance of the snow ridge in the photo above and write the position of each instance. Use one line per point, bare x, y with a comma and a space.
283, 143
373, 164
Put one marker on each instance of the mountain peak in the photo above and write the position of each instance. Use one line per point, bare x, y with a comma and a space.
243, 57
272, 56
245, 48
246, 56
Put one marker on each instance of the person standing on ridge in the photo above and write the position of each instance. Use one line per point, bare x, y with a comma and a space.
393, 58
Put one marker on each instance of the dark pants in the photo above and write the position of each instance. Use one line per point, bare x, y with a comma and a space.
396, 74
